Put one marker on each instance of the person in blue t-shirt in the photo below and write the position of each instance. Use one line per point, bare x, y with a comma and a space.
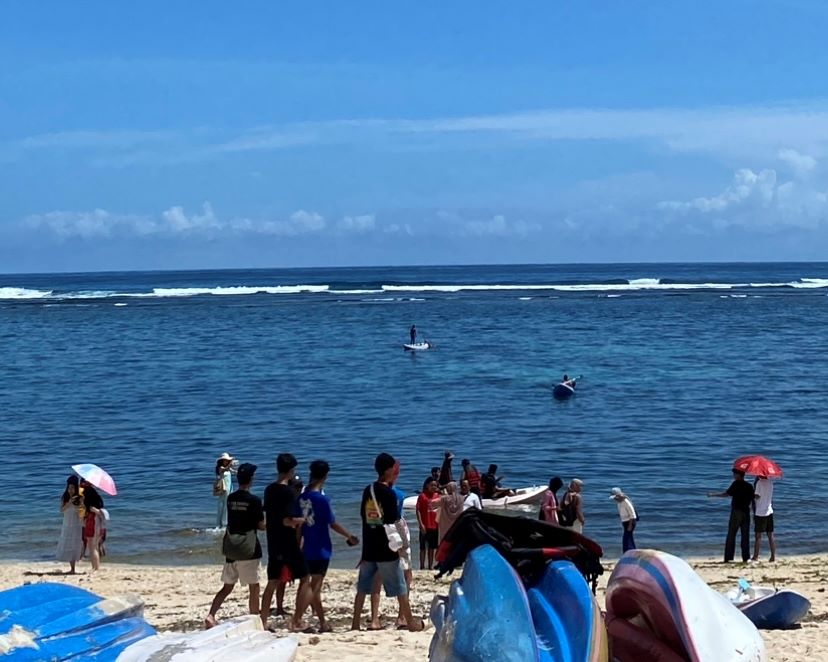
316, 534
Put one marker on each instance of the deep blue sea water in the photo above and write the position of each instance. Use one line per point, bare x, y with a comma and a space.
153, 375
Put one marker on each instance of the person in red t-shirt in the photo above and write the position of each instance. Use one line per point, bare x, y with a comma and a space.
427, 505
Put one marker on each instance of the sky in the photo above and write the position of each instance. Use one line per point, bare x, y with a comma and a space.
180, 135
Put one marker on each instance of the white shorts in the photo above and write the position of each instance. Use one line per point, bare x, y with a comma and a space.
243, 572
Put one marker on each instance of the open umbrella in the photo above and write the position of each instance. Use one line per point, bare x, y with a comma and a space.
93, 474
758, 465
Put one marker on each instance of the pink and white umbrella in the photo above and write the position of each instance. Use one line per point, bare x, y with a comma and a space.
93, 474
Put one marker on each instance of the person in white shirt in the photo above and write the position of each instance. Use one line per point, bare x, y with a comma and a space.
471, 499
763, 516
626, 511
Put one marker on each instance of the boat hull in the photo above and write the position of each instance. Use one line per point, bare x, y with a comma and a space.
562, 392
525, 496
658, 608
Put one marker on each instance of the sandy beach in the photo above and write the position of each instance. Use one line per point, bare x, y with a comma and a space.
177, 598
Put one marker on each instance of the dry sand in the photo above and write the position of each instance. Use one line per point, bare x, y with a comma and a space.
177, 598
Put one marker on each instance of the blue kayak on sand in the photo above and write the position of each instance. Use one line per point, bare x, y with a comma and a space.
568, 620
51, 621
488, 615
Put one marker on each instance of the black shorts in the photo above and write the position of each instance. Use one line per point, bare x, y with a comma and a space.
317, 567
763, 524
428, 539
286, 569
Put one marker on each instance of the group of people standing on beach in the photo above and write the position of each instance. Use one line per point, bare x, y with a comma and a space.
298, 527
744, 499
84, 524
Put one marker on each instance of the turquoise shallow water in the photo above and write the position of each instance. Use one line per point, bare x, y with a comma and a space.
152, 375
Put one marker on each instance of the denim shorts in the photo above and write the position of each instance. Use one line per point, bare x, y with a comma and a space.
391, 573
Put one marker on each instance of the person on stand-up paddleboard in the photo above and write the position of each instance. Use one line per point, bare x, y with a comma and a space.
413, 333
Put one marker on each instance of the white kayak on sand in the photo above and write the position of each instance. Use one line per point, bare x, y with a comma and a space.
241, 638
658, 608
417, 346
525, 496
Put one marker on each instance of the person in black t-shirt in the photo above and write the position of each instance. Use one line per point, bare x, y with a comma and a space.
244, 514
741, 500
285, 561
381, 554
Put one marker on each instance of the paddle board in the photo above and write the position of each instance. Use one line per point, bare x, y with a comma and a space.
416, 347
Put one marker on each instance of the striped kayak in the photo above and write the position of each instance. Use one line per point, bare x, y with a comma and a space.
658, 608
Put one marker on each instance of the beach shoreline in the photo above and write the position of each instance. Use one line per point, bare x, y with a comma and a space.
178, 597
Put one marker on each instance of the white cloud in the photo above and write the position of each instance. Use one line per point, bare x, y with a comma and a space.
361, 223
758, 199
179, 222
498, 226
795, 132
801, 164
172, 222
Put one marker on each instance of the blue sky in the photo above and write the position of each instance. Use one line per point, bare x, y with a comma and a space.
159, 136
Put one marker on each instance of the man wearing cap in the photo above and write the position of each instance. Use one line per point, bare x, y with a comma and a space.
626, 511
241, 547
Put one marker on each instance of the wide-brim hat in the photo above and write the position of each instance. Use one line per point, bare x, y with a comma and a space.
225, 456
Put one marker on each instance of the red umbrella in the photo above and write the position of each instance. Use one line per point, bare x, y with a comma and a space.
758, 465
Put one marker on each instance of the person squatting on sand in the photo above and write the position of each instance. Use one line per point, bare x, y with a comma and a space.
317, 547
382, 544
741, 500
241, 546
629, 518
70, 544
285, 561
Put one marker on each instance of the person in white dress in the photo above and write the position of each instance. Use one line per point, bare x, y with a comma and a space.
70, 545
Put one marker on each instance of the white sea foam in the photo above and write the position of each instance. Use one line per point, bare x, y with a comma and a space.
119, 305
809, 283
23, 293
650, 284
524, 298
644, 281
232, 291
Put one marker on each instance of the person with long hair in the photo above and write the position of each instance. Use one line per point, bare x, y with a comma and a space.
70, 544
93, 525
222, 486
549, 505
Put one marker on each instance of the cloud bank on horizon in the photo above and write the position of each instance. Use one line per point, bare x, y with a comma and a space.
144, 150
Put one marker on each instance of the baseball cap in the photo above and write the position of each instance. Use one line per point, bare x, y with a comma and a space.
245, 472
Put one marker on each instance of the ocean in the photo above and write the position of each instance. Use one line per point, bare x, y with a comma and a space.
152, 375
